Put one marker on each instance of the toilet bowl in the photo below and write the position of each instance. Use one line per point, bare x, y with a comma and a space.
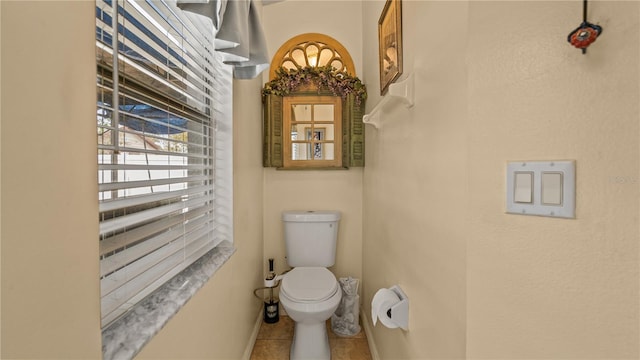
310, 295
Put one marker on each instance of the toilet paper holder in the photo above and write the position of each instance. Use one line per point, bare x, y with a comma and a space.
398, 313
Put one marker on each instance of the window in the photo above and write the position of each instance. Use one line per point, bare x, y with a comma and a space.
312, 50
313, 107
314, 131
163, 148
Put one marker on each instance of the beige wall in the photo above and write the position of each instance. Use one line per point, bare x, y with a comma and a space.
541, 287
497, 81
315, 190
50, 289
0, 183
415, 185
342, 20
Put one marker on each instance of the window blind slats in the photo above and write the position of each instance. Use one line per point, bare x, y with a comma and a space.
174, 122
134, 201
141, 95
145, 183
161, 119
196, 43
125, 239
130, 220
122, 258
177, 144
151, 258
157, 147
110, 308
195, 86
130, 202
153, 152
189, 126
151, 44
123, 293
130, 167
128, 287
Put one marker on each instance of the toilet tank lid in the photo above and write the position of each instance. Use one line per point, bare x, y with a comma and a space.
311, 216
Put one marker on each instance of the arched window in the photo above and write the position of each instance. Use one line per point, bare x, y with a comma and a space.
312, 50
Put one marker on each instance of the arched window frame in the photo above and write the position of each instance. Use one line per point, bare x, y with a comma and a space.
327, 49
296, 55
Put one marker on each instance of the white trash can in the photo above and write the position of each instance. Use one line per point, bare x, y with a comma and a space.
346, 320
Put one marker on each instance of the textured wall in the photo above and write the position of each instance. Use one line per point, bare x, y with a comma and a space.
50, 286
415, 184
541, 287
497, 81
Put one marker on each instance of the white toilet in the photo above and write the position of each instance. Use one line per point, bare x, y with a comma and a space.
310, 293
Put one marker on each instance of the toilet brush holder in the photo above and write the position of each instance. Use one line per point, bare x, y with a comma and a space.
271, 304
271, 310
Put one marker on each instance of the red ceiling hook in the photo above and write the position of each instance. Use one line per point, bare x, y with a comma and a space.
586, 33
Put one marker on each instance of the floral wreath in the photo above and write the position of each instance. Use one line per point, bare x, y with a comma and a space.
324, 77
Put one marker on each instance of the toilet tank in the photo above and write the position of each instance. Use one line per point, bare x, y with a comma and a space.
310, 237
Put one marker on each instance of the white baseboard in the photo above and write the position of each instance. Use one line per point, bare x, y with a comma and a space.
254, 335
368, 330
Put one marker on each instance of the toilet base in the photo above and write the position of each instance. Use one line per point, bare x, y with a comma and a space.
310, 342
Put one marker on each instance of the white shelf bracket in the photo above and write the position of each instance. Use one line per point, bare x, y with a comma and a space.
401, 91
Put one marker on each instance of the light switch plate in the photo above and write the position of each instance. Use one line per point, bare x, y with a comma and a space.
553, 188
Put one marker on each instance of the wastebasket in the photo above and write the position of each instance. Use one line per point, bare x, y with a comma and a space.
345, 321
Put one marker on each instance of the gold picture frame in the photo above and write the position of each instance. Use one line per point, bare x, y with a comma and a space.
390, 43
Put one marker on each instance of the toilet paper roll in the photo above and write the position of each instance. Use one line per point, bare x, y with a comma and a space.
382, 302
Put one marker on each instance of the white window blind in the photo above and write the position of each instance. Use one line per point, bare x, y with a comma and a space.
163, 147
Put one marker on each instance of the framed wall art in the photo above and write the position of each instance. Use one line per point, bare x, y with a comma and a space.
390, 43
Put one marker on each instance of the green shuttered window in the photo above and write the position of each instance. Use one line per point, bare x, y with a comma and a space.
273, 131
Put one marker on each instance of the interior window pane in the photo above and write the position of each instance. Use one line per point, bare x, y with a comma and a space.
326, 131
329, 151
301, 130
323, 112
301, 112
316, 151
300, 151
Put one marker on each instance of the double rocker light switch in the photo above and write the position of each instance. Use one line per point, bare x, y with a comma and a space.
544, 188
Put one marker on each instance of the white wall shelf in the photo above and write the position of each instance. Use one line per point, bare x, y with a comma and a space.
399, 92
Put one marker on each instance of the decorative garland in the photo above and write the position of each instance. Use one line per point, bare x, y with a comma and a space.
324, 77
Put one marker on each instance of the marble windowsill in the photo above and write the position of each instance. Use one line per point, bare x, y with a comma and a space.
125, 337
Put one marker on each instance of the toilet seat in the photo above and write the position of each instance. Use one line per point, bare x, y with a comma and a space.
309, 284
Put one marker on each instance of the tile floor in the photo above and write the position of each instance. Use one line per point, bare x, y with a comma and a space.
274, 341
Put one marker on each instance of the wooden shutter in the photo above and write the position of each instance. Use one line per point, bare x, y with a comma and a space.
272, 130
353, 138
